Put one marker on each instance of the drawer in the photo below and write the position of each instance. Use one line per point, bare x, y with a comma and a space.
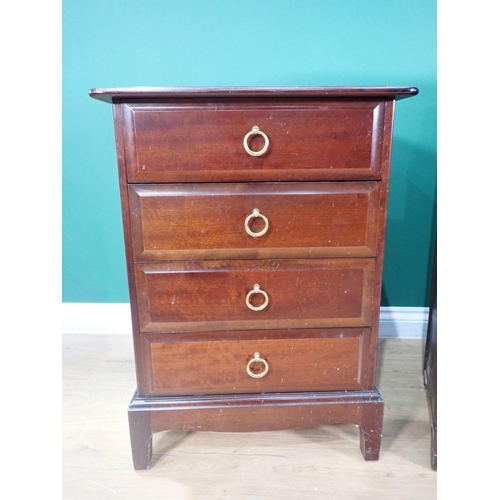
307, 140
217, 221
303, 360
220, 295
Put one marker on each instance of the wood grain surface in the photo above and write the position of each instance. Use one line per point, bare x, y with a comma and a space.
211, 295
193, 271
298, 360
207, 221
203, 142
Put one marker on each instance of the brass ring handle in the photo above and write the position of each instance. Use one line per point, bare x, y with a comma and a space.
256, 289
257, 359
256, 213
256, 131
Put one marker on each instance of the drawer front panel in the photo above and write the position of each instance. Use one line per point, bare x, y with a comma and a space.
213, 295
296, 361
205, 142
207, 221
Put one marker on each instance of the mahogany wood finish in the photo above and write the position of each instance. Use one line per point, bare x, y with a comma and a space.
211, 295
153, 94
299, 360
187, 187
256, 412
207, 221
203, 142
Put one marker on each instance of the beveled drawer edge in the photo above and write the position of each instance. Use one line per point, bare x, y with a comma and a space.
256, 254
213, 326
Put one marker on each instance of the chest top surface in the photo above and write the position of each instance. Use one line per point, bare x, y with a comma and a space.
132, 93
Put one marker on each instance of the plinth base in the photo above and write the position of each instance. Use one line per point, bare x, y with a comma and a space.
255, 412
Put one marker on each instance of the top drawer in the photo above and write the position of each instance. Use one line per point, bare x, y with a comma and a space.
186, 142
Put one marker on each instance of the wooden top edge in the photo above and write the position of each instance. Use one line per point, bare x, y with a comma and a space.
132, 93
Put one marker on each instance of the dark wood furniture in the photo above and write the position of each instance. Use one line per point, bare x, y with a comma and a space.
430, 364
254, 222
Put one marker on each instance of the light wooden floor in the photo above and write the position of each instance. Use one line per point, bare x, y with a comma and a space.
320, 463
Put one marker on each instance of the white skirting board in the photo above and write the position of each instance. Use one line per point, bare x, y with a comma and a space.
395, 322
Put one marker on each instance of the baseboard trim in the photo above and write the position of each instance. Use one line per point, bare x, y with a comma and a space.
80, 317
395, 322
403, 322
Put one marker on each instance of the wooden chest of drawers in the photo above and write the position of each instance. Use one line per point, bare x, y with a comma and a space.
254, 223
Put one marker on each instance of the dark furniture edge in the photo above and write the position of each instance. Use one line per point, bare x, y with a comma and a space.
111, 95
260, 399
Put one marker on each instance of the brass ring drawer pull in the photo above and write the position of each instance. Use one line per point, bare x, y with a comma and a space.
257, 359
256, 131
256, 289
256, 213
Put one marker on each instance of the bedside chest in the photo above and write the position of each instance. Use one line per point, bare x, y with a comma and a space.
254, 223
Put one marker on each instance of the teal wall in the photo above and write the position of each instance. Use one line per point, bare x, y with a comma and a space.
117, 43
